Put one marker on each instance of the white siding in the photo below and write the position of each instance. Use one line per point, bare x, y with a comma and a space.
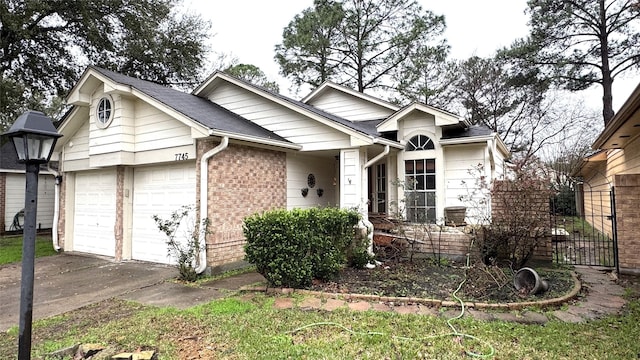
308, 133
460, 178
299, 166
419, 123
119, 135
14, 200
351, 179
350, 107
77, 148
157, 130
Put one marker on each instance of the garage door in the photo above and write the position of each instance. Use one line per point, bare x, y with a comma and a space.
95, 212
158, 190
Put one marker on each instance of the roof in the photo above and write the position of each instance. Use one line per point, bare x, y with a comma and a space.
468, 132
623, 127
9, 160
202, 111
362, 127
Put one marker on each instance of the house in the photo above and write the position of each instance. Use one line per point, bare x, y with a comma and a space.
12, 193
133, 149
616, 166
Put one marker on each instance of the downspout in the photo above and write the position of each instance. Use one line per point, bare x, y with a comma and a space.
56, 209
365, 223
204, 200
384, 153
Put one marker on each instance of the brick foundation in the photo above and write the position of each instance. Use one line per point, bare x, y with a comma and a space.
627, 190
242, 181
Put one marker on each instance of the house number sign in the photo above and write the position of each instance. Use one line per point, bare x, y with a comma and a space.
182, 156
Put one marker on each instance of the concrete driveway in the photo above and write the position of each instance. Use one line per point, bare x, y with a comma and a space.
66, 282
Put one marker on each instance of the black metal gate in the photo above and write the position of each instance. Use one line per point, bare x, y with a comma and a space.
583, 228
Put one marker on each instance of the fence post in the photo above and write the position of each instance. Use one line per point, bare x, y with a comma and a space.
614, 230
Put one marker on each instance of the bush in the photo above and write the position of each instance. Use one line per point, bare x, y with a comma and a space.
291, 248
183, 239
518, 220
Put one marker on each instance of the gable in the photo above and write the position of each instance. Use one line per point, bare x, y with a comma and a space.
354, 107
283, 121
269, 110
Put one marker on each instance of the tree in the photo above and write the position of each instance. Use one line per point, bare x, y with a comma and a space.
252, 74
358, 43
308, 54
583, 42
428, 77
496, 93
44, 45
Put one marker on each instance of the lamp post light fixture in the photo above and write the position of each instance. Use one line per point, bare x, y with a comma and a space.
34, 137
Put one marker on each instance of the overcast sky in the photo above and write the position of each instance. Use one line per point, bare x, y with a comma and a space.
250, 29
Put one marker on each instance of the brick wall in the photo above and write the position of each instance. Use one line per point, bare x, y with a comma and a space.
627, 190
118, 227
62, 214
3, 196
243, 180
517, 204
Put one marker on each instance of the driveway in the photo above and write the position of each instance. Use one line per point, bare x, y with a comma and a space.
66, 282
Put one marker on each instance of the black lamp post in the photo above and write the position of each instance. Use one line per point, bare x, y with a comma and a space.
34, 137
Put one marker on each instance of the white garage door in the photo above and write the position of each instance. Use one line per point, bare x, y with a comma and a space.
158, 190
95, 212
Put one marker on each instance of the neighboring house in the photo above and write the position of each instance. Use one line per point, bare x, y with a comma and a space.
12, 193
616, 165
132, 149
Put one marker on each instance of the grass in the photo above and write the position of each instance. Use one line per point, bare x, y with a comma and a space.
242, 327
11, 248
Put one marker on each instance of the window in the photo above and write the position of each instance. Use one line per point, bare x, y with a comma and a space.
419, 142
420, 190
381, 188
104, 112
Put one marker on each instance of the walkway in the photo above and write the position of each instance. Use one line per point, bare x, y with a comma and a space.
601, 297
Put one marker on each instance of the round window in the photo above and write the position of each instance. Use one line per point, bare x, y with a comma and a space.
311, 180
104, 112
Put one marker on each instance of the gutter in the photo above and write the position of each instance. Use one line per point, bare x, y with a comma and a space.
204, 200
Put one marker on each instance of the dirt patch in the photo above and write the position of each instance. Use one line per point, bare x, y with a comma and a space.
426, 279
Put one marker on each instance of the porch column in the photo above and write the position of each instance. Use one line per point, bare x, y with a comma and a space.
353, 180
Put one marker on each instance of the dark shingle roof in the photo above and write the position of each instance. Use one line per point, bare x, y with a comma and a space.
471, 131
9, 159
196, 108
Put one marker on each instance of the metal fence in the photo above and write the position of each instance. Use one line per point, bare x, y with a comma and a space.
583, 228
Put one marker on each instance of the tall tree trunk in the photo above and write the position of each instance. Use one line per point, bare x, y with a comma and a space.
607, 81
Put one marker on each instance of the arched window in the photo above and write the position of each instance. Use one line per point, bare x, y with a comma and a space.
419, 142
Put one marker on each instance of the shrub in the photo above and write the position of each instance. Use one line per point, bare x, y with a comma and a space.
519, 213
291, 248
183, 239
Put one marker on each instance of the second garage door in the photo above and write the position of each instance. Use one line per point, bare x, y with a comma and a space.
158, 190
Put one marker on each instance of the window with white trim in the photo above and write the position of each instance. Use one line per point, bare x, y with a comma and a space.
420, 190
419, 142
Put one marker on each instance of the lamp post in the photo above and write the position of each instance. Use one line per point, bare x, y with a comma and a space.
34, 137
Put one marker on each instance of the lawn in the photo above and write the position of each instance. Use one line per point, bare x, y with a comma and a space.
247, 326
11, 248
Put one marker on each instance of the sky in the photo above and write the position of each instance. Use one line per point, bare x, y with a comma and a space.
250, 29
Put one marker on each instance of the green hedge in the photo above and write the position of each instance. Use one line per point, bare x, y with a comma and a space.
291, 248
